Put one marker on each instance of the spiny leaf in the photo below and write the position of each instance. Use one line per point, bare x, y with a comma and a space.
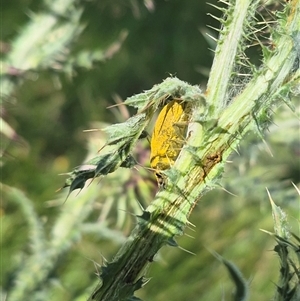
241, 292
171, 88
126, 130
98, 166
281, 225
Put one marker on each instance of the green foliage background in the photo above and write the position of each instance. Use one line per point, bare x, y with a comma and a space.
49, 110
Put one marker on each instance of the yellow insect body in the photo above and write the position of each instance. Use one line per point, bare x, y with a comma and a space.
168, 135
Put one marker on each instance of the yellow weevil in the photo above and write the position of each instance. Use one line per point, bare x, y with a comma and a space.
168, 136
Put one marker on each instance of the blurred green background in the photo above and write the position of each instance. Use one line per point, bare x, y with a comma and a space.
123, 48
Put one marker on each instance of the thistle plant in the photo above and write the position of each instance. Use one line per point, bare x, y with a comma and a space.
221, 116
239, 98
